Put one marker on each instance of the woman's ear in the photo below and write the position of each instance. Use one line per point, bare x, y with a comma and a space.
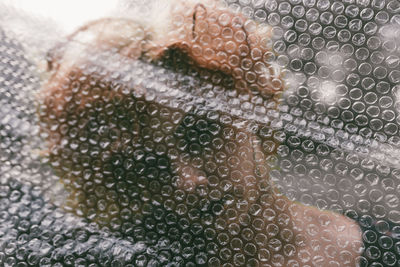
199, 14
182, 36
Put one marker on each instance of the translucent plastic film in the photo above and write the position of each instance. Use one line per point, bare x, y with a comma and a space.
200, 133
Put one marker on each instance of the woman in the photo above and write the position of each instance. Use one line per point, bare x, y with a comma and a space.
138, 133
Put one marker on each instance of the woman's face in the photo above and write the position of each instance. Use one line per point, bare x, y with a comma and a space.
151, 168
152, 171
108, 138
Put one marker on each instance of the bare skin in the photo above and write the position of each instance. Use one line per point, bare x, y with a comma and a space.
282, 232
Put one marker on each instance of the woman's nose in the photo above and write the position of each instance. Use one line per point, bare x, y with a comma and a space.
233, 156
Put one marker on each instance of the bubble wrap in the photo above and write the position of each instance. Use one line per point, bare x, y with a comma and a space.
203, 133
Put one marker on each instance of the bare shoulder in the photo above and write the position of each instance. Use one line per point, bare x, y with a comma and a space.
331, 238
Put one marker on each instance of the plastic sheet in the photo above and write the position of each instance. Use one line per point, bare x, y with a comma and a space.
201, 133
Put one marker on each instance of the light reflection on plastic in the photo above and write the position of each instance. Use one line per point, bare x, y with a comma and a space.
69, 14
